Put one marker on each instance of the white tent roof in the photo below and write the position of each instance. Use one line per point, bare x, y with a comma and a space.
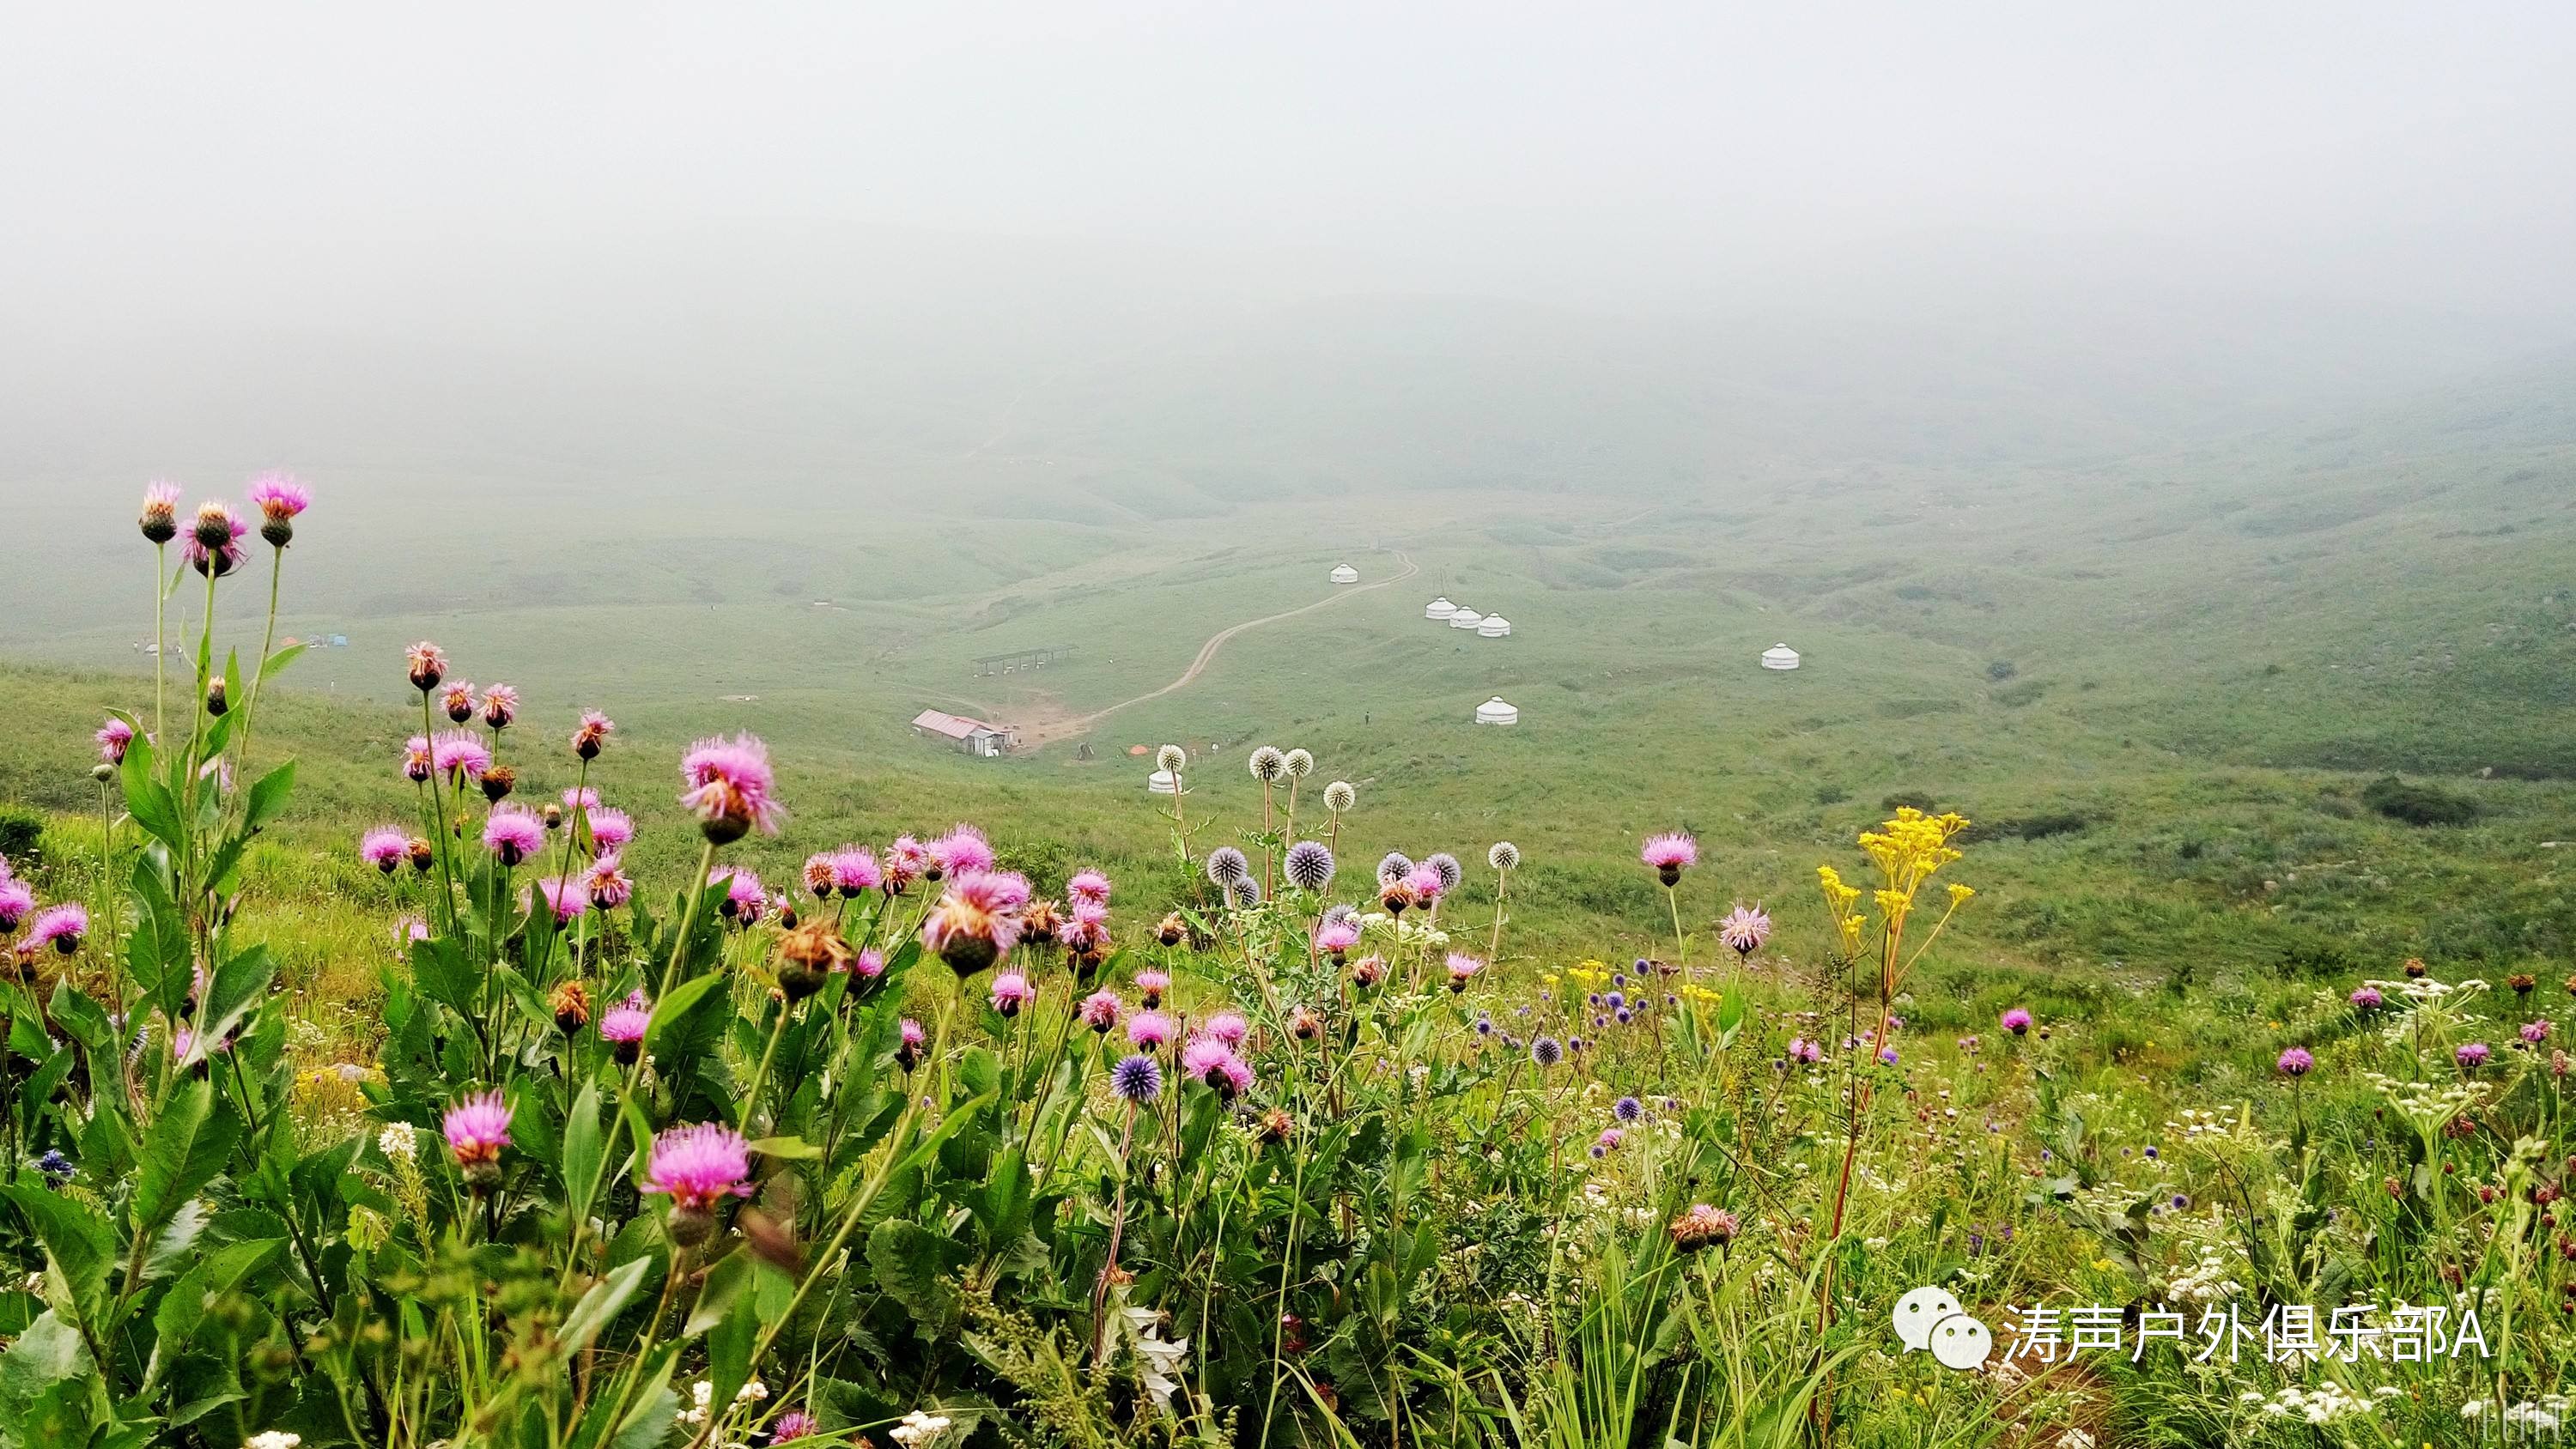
1495, 626
1779, 656
1439, 608
1495, 711
1465, 618
1345, 574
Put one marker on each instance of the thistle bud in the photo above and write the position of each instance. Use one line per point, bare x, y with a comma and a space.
691, 1226
216, 701
807, 955
552, 815
160, 519
498, 780
421, 856
572, 1007
102, 772
1172, 930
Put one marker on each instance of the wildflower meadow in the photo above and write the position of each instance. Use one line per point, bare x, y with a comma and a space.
1249, 1142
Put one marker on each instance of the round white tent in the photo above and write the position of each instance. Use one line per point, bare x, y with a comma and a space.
1159, 782
1345, 574
1465, 618
1779, 656
1495, 712
1495, 626
1439, 608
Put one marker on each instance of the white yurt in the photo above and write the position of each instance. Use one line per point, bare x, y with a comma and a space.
1495, 712
1345, 574
1779, 656
1439, 608
1465, 618
1495, 626
1159, 782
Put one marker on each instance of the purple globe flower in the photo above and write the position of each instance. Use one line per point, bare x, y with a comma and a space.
2295, 1062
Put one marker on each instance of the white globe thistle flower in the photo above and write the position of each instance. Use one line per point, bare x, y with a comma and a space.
1298, 763
1172, 758
1267, 764
1504, 856
1339, 796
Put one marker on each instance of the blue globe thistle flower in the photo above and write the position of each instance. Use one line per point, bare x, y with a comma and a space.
1137, 1078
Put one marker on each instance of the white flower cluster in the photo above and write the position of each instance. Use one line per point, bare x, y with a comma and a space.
2528, 1419
2427, 1104
702, 1396
2321, 1405
399, 1142
273, 1439
2205, 1282
918, 1429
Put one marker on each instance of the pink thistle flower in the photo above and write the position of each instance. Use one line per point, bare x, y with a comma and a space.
818, 874
1151, 985
500, 706
961, 850
1101, 1010
869, 964
1744, 930
2016, 1021
610, 830
1088, 887
477, 1129
730, 787
408, 930
1084, 930
1670, 854
2295, 1062
2535, 1032
699, 1166
60, 927
623, 1027
113, 737
610, 886
1336, 938
213, 545
279, 497
977, 920
794, 1424
855, 871
905, 860
1012, 992
513, 834
566, 896
580, 797
17, 899
1426, 885
426, 663
2368, 999
1150, 1030
1462, 969
1228, 1027
457, 699
591, 735
385, 848
2472, 1056
160, 517
460, 755
1805, 1052
1214, 1063
419, 760
744, 898
910, 1042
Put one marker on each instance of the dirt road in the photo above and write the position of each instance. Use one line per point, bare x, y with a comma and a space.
1051, 730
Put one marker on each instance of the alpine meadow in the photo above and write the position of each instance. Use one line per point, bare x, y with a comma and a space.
707, 757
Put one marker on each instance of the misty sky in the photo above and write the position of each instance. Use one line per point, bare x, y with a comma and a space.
961, 198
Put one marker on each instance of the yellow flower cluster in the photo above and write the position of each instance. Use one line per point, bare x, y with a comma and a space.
1908, 851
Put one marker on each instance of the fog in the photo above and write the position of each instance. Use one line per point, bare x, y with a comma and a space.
513, 238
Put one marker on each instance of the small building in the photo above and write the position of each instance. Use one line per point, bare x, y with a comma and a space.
1161, 782
974, 736
1495, 626
1779, 656
1345, 574
1495, 712
1439, 608
1465, 618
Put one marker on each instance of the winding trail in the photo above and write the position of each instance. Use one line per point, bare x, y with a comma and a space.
1051, 731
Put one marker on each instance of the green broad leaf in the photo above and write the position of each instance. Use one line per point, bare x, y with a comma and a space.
911, 1265
791, 1149
599, 1305
182, 1152
239, 987
725, 1283
279, 660
649, 1422
438, 968
154, 808
157, 952
729, 1348
672, 1008
583, 1148
79, 1241
1004, 1202
268, 795
45, 1359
